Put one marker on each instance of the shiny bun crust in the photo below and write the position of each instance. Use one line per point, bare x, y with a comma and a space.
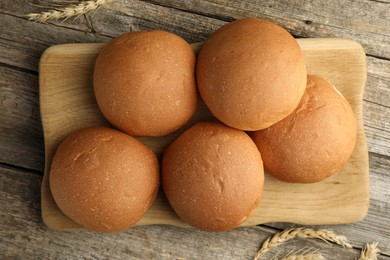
144, 83
315, 141
251, 74
103, 179
213, 176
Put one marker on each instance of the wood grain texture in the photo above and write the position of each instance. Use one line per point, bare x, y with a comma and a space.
23, 45
20, 127
362, 21
67, 104
22, 234
27, 237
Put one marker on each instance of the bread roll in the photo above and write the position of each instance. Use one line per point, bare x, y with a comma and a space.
251, 74
103, 179
213, 176
144, 83
315, 141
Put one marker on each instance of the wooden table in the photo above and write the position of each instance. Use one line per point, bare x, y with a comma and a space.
22, 232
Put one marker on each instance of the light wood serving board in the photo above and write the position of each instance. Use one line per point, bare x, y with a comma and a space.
67, 103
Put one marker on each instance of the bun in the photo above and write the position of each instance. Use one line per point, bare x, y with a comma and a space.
103, 179
251, 74
315, 141
213, 176
144, 83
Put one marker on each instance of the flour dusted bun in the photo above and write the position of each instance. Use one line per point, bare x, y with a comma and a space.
144, 83
103, 179
213, 176
251, 74
315, 141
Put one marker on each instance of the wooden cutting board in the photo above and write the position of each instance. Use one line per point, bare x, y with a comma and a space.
67, 103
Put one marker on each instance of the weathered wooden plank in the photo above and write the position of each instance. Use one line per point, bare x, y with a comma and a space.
123, 16
22, 42
376, 108
22, 234
366, 22
378, 141
378, 81
21, 138
376, 225
377, 126
302, 18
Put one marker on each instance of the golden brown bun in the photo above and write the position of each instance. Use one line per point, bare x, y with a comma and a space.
251, 74
103, 179
213, 176
144, 83
315, 141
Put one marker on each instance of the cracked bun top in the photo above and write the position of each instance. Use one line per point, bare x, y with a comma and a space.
315, 141
213, 176
144, 83
104, 179
251, 74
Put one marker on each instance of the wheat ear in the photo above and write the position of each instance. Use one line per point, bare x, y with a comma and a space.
370, 252
288, 234
68, 11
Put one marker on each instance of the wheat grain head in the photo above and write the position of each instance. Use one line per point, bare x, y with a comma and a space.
370, 252
68, 11
288, 234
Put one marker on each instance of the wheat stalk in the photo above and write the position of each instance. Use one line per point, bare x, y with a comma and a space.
315, 256
303, 254
370, 252
288, 234
68, 11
